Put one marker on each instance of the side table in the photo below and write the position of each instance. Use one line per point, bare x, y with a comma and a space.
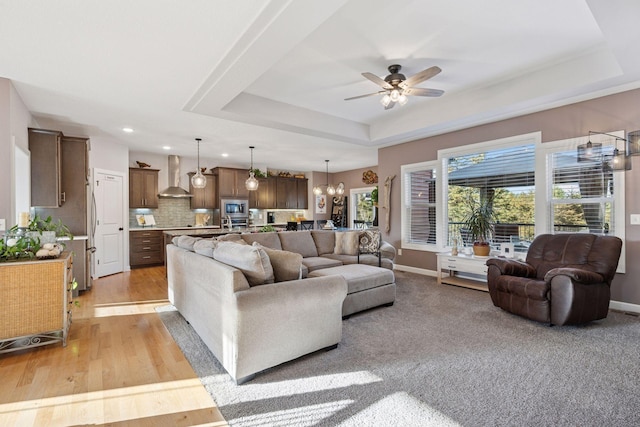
461, 263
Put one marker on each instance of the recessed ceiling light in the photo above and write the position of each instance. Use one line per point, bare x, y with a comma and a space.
225, 154
127, 130
166, 147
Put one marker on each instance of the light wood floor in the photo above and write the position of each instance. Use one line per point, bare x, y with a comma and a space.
120, 366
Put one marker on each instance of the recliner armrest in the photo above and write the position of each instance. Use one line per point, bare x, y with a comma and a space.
512, 267
575, 274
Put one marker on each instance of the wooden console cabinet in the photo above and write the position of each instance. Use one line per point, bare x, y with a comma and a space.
36, 299
455, 264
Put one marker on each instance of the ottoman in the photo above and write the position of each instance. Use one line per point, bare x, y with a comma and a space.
367, 286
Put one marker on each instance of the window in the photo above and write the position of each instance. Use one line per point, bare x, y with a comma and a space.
362, 205
501, 173
419, 205
583, 196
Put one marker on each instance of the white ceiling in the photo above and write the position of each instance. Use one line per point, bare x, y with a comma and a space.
274, 74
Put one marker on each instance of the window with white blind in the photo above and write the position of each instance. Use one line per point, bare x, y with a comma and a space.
418, 188
501, 173
583, 196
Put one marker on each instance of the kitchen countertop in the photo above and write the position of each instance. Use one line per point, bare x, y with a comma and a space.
206, 227
199, 231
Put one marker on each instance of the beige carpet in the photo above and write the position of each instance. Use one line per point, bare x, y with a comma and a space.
442, 355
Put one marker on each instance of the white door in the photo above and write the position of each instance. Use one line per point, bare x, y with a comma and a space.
109, 225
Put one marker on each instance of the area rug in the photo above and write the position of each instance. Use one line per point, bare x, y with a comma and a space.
440, 356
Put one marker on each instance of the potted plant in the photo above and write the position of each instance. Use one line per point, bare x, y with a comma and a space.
480, 223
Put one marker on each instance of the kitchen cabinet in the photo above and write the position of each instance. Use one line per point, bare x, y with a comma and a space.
146, 248
291, 193
37, 302
265, 196
143, 188
303, 195
204, 198
46, 168
231, 182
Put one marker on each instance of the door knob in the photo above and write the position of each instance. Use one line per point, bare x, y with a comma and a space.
120, 229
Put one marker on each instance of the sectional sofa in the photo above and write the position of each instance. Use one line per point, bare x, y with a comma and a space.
261, 299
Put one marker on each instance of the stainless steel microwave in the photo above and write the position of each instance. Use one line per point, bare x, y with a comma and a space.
235, 208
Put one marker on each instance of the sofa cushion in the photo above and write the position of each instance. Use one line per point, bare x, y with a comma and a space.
268, 240
316, 262
325, 241
286, 265
359, 277
251, 260
187, 242
299, 242
346, 243
205, 247
369, 241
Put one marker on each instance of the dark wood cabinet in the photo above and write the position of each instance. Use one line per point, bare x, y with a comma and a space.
146, 248
143, 188
303, 195
231, 182
291, 193
204, 198
46, 168
265, 196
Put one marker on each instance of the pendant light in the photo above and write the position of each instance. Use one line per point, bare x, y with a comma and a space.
251, 183
198, 180
317, 190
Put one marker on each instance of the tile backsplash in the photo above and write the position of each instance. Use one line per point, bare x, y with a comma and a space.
171, 213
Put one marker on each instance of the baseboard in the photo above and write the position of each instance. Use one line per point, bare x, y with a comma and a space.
624, 306
416, 270
614, 305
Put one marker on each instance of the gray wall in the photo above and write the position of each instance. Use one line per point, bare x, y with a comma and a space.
606, 114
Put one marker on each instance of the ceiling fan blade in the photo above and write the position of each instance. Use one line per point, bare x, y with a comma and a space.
364, 96
420, 77
377, 80
418, 91
390, 106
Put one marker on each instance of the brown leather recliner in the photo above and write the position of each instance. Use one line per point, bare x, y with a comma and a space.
566, 278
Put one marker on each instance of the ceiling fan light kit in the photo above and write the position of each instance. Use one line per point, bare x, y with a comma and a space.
397, 87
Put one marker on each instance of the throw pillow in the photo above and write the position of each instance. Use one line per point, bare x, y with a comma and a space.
346, 243
370, 241
205, 247
252, 261
286, 265
186, 242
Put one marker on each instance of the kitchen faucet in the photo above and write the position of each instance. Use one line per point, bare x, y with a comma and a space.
229, 222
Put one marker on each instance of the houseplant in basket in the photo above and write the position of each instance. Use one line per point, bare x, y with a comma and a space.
480, 222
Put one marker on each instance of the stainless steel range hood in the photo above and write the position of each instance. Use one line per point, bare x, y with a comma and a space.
174, 189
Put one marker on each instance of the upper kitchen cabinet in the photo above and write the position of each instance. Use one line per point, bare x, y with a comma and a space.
265, 196
303, 195
204, 198
143, 188
46, 167
291, 193
231, 182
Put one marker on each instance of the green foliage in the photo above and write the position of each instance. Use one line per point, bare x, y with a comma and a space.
480, 219
267, 228
258, 173
18, 247
374, 196
40, 225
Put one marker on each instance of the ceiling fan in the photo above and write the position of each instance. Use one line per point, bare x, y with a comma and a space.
397, 87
